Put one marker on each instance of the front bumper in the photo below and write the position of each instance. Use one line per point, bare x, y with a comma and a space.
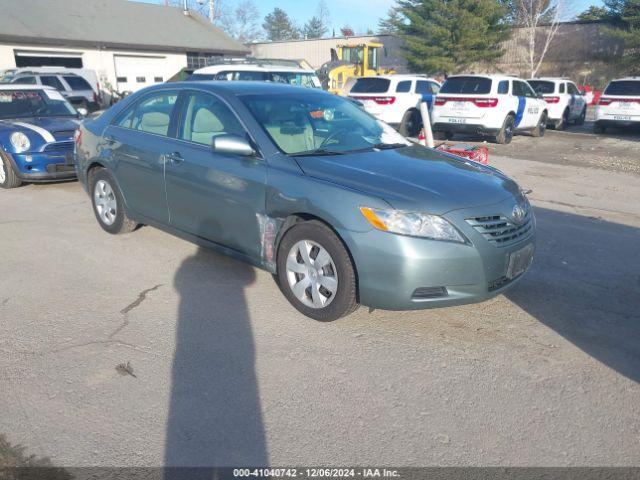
397, 272
467, 128
43, 166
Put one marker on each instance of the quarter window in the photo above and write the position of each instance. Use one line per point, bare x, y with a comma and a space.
403, 87
25, 80
423, 87
503, 87
562, 90
204, 117
152, 115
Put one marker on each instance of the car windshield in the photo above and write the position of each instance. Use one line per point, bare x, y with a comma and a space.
308, 80
542, 86
476, 85
34, 103
624, 87
320, 124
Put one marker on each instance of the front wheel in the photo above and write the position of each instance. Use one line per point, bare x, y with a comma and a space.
315, 272
541, 127
108, 204
564, 121
8, 177
505, 135
411, 124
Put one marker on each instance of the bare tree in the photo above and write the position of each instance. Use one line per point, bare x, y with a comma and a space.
539, 21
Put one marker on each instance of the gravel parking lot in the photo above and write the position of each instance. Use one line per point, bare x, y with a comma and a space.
226, 371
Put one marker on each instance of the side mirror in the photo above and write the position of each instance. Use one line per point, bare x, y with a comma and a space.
232, 145
82, 111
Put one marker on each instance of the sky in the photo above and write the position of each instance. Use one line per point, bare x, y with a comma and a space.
358, 14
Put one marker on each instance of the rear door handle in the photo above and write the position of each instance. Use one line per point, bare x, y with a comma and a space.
174, 158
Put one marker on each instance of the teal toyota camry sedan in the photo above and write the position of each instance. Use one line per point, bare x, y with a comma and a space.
337, 205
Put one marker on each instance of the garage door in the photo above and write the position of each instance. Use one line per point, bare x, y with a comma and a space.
136, 72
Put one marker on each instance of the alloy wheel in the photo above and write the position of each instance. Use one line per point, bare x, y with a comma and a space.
105, 202
311, 274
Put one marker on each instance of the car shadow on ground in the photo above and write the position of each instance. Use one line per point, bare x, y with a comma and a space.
585, 285
215, 417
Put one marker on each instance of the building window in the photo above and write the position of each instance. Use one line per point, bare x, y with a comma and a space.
158, 79
199, 59
141, 79
121, 79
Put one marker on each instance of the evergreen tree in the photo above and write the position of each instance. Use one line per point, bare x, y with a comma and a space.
625, 17
594, 13
389, 25
279, 26
446, 36
314, 28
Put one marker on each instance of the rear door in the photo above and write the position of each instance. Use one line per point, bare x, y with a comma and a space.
138, 141
212, 195
576, 101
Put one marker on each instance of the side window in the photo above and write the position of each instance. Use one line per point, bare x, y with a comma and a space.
562, 90
518, 89
52, 81
25, 80
423, 87
503, 87
572, 89
151, 115
435, 88
204, 116
404, 86
528, 91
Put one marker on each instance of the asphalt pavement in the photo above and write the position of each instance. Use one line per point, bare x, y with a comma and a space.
228, 373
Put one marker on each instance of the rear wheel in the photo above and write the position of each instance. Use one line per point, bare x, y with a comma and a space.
108, 204
582, 116
8, 178
411, 123
505, 135
564, 121
541, 127
315, 272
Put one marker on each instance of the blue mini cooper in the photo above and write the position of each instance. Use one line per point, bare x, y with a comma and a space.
37, 128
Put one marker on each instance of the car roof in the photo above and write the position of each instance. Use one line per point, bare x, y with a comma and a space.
251, 68
482, 75
24, 86
238, 87
404, 76
626, 79
552, 79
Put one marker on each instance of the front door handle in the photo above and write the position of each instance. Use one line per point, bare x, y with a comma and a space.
174, 158
110, 140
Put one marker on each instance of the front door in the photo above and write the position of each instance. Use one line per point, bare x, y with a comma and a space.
528, 110
214, 196
138, 141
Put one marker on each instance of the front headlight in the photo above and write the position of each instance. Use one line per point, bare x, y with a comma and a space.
412, 223
20, 142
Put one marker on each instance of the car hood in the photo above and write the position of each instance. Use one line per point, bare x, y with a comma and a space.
414, 178
61, 128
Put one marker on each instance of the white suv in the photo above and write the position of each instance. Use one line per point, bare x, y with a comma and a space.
395, 99
619, 105
495, 105
259, 73
565, 103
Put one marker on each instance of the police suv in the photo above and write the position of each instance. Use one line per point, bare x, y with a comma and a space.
565, 103
395, 99
619, 105
492, 105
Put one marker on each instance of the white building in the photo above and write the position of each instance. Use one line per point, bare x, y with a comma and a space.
129, 44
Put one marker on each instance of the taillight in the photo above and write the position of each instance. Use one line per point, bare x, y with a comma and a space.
378, 100
478, 102
552, 99
605, 101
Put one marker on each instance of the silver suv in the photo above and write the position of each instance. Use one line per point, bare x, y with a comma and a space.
73, 87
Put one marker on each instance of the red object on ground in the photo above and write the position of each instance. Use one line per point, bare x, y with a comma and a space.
479, 153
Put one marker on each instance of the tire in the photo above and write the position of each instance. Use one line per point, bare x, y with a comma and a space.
581, 117
8, 177
598, 128
298, 278
541, 127
564, 121
108, 204
411, 124
505, 135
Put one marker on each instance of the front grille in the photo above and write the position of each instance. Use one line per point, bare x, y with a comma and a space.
59, 146
64, 133
59, 168
500, 230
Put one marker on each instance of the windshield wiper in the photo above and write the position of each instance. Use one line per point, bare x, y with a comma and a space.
319, 152
388, 146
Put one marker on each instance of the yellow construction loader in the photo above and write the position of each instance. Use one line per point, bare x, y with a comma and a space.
351, 61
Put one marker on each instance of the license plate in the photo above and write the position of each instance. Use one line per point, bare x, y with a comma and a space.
622, 117
459, 105
457, 120
625, 105
519, 261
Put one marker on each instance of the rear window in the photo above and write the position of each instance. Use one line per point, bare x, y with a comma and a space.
475, 85
624, 87
77, 83
371, 85
542, 86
